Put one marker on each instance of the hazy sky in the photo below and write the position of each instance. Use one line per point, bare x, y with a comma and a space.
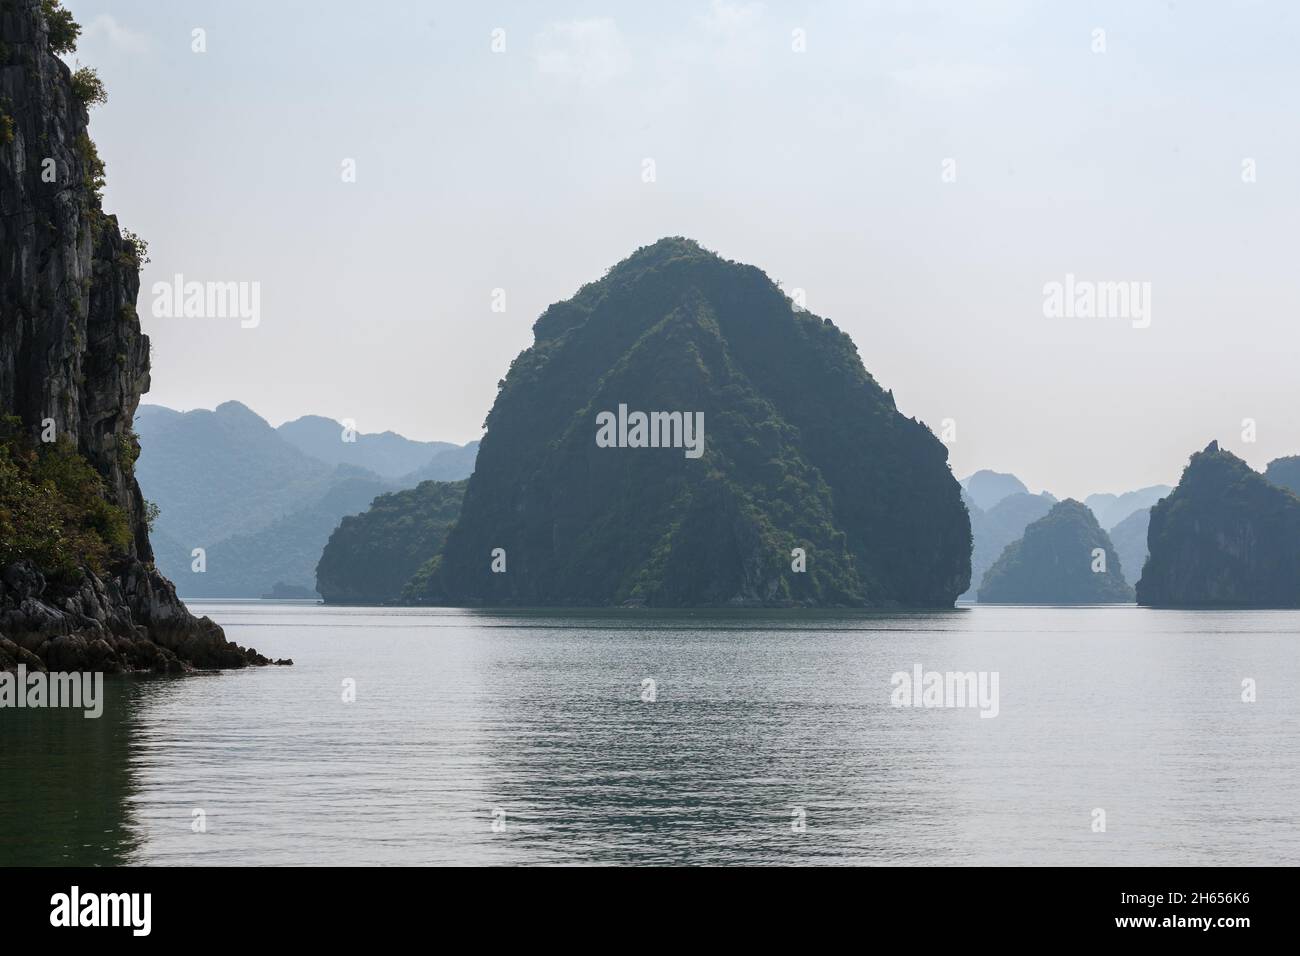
523, 170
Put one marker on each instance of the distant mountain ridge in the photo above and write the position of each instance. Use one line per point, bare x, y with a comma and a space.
986, 488
259, 505
387, 454
1112, 509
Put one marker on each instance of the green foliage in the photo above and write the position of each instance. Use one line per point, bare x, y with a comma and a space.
370, 557
6, 128
1053, 563
62, 28
128, 450
136, 248
53, 510
151, 512
88, 87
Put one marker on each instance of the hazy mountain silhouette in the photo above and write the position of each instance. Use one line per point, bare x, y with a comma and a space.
1285, 473
986, 488
1054, 563
1130, 540
260, 506
387, 454
1112, 509
996, 528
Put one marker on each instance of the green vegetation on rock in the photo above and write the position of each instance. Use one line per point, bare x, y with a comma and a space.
53, 509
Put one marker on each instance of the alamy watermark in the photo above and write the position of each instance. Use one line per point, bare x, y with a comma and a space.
1085, 299
179, 299
75, 908
922, 688
81, 691
651, 430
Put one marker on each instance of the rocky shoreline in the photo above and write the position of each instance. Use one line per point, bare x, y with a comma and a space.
129, 620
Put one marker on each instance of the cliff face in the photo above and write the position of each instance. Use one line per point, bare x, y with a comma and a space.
1054, 563
1225, 536
73, 363
800, 448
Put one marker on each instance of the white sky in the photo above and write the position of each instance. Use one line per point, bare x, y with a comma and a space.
522, 170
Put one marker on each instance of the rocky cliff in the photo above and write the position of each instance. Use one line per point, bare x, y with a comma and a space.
1056, 562
78, 589
679, 435
1225, 536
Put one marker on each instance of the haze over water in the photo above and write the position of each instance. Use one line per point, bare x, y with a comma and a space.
459, 713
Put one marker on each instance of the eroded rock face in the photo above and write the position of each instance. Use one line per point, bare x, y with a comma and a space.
73, 357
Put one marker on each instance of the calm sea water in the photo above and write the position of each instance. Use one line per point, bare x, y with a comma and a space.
756, 716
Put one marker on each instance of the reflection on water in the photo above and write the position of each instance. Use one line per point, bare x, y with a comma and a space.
66, 781
759, 720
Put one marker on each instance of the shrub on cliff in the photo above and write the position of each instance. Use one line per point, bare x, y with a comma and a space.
88, 87
53, 510
63, 30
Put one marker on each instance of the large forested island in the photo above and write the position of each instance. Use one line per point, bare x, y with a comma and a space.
807, 487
